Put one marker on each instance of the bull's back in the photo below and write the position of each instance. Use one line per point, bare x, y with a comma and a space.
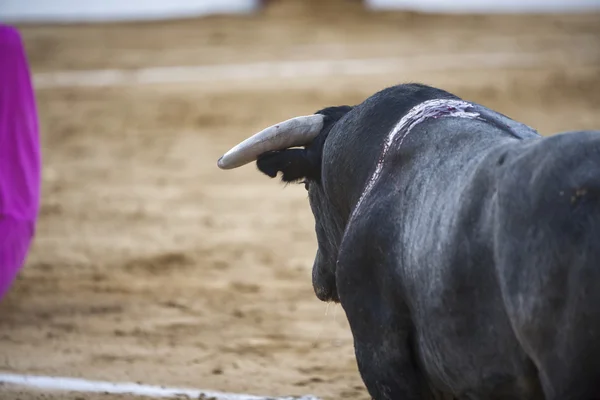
547, 250
463, 336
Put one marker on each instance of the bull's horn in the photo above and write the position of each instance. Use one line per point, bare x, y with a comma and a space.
293, 132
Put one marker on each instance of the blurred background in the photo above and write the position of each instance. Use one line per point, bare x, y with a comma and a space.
152, 265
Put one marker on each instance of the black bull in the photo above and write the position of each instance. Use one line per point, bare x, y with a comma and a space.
461, 244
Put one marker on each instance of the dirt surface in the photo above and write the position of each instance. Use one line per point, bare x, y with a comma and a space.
151, 265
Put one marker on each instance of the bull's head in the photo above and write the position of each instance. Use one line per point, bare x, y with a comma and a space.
274, 152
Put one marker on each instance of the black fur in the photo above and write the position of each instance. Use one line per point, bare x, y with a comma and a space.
460, 275
294, 164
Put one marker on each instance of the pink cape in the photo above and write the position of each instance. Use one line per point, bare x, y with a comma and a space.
19, 157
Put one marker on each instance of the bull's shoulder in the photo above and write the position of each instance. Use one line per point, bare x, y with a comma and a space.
372, 235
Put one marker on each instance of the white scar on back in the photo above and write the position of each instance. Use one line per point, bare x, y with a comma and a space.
437, 108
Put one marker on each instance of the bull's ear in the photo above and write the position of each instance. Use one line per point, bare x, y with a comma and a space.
295, 165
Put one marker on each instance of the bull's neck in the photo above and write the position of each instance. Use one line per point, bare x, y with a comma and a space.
437, 108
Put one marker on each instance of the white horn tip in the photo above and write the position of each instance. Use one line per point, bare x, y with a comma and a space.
222, 164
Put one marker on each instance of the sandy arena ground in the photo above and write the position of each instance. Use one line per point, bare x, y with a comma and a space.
151, 265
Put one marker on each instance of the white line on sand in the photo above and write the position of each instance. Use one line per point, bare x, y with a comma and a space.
48, 383
313, 68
